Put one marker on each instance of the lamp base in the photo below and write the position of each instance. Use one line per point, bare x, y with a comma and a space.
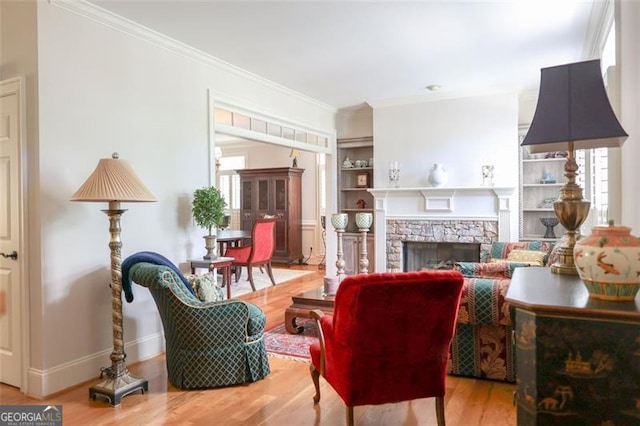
565, 264
114, 387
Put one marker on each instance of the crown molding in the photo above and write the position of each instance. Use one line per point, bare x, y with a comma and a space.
360, 110
600, 22
116, 22
440, 96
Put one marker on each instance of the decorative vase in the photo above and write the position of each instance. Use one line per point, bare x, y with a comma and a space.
339, 221
364, 220
437, 175
549, 223
608, 261
210, 245
330, 287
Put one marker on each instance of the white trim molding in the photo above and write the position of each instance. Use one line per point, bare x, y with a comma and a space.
124, 25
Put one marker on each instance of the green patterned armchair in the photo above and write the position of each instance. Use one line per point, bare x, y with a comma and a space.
208, 344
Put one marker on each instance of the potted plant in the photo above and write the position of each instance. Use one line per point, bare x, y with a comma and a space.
208, 212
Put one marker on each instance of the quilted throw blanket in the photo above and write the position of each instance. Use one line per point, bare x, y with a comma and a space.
149, 257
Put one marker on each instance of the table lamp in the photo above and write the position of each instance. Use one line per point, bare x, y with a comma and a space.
114, 181
573, 112
217, 154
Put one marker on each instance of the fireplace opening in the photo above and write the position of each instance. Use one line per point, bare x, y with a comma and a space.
417, 255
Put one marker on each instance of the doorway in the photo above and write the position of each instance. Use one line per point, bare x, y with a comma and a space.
12, 284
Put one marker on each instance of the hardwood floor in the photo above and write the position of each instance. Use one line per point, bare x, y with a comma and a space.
283, 398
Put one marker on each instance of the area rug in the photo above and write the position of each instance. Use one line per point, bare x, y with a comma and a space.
261, 279
283, 344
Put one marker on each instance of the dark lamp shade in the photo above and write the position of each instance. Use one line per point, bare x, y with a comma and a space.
113, 180
573, 107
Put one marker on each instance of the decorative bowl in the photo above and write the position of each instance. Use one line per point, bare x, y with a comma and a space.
339, 221
549, 223
608, 261
364, 220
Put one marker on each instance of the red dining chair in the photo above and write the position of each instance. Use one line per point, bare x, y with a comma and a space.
259, 253
388, 338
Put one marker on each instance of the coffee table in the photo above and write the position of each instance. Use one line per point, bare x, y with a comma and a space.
303, 304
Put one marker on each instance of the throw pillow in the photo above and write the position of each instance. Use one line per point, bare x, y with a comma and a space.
501, 250
532, 257
206, 287
502, 269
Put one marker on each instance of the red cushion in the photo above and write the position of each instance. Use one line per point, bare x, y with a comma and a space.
239, 254
262, 244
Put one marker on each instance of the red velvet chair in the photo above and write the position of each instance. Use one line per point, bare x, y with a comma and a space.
259, 253
388, 338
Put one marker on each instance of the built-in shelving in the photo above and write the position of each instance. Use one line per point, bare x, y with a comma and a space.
536, 195
353, 185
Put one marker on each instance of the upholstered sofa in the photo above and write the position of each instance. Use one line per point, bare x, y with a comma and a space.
482, 346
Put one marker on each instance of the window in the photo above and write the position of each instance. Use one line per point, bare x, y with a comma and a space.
229, 184
594, 163
268, 126
322, 183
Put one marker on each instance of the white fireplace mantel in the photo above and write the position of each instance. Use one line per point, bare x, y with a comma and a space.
448, 203
443, 199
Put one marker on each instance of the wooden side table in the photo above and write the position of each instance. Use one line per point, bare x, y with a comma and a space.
302, 306
223, 263
578, 358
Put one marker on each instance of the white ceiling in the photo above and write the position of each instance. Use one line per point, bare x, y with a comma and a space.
345, 53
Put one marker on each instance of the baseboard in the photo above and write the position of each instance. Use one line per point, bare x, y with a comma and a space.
44, 383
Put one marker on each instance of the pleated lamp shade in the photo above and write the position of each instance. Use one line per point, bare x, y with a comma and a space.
113, 180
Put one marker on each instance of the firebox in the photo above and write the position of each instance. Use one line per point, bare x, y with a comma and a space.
417, 255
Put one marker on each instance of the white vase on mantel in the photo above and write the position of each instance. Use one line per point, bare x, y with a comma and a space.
438, 175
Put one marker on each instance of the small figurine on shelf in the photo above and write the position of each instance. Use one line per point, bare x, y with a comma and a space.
361, 203
547, 177
294, 154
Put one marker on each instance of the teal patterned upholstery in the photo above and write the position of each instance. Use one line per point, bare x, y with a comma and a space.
488, 270
482, 346
208, 344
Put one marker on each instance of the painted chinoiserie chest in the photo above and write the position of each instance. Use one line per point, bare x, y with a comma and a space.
577, 358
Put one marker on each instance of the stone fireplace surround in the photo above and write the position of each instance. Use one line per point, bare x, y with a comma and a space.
452, 231
464, 214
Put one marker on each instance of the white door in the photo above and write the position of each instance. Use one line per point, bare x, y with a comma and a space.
10, 234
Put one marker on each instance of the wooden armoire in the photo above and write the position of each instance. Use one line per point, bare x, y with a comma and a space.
275, 192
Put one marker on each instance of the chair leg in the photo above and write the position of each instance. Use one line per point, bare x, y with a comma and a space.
349, 416
237, 272
270, 272
315, 376
250, 272
440, 410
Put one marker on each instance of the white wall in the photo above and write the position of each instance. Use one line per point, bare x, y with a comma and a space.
628, 27
461, 133
103, 90
355, 122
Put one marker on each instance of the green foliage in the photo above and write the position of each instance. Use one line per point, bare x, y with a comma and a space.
208, 207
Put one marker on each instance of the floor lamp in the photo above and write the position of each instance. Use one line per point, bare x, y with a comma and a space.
114, 181
573, 112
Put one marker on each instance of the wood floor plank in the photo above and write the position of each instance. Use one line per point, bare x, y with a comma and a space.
283, 398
